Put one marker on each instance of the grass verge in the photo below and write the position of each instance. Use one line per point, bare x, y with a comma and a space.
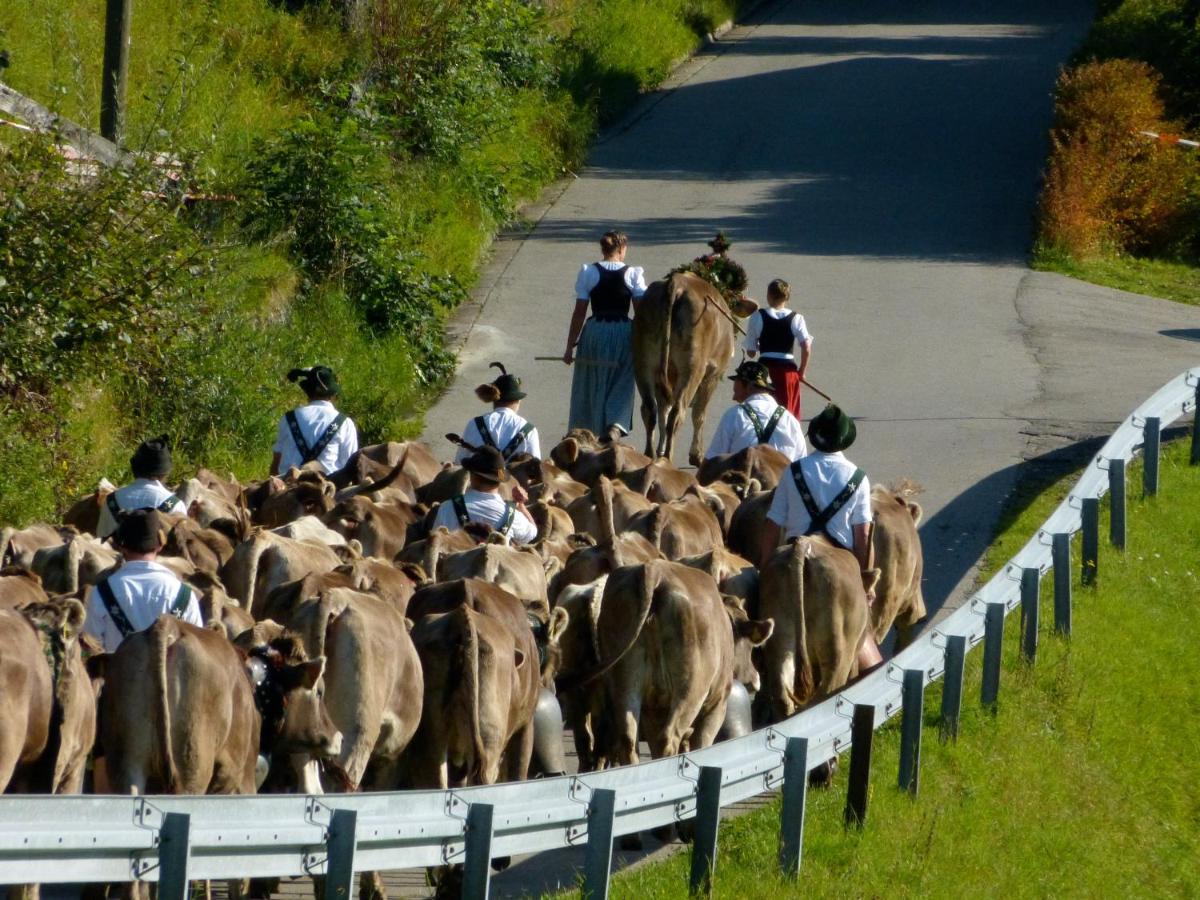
1083, 781
1154, 277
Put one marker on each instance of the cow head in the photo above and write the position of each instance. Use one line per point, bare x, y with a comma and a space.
747, 634
310, 495
289, 692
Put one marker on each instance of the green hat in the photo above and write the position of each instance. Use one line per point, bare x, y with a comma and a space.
316, 381
753, 373
832, 430
152, 458
504, 389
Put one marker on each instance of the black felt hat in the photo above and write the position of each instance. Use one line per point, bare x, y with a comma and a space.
832, 430
152, 458
486, 463
316, 381
140, 530
504, 389
754, 373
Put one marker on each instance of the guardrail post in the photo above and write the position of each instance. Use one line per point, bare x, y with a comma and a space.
956, 658
1196, 428
477, 869
1116, 503
912, 710
1061, 557
339, 845
174, 843
708, 820
1031, 584
862, 734
993, 649
1153, 440
597, 865
795, 796
1090, 539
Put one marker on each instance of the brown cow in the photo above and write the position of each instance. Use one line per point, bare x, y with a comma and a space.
178, 711
746, 526
208, 549
264, 561
66, 568
585, 458
380, 528
481, 685
46, 700
735, 575
760, 462
84, 514
588, 512
373, 678
659, 481
20, 587
393, 583
815, 593
897, 546
685, 527
553, 522
376, 461
683, 340
18, 546
521, 572
666, 654
278, 501
543, 480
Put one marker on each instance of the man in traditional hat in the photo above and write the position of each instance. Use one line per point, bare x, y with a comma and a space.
503, 428
825, 493
133, 597
483, 504
150, 464
315, 432
756, 418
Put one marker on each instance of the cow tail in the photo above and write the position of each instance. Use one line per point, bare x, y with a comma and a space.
633, 625
804, 673
470, 670
664, 372
604, 510
433, 550
160, 642
658, 522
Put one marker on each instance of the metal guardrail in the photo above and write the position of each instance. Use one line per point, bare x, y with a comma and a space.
173, 839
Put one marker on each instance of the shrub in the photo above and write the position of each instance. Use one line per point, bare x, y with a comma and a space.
1108, 187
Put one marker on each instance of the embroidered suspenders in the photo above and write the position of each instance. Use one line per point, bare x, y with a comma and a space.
763, 431
510, 448
464, 517
308, 454
821, 517
115, 508
109, 599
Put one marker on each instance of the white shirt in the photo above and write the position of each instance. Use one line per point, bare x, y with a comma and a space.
826, 474
313, 418
589, 277
735, 431
144, 591
754, 331
503, 424
142, 493
488, 508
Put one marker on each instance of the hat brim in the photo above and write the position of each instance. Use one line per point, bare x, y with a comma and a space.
515, 395
489, 475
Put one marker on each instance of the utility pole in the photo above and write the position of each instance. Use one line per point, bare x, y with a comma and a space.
116, 69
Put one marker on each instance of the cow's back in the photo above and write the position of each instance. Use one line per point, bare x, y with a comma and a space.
25, 695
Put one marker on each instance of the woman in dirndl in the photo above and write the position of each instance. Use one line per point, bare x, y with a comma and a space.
600, 346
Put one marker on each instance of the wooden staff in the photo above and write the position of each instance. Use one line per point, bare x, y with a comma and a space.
600, 363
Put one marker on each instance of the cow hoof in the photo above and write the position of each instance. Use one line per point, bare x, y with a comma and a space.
500, 863
694, 460
630, 842
822, 775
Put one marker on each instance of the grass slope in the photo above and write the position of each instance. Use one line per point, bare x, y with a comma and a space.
1082, 784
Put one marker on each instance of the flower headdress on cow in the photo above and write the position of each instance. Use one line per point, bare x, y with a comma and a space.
505, 389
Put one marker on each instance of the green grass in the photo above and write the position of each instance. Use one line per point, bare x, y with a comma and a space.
1083, 783
1156, 278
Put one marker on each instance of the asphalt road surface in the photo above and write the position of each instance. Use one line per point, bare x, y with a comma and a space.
884, 159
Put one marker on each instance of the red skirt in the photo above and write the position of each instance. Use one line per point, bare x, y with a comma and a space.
785, 381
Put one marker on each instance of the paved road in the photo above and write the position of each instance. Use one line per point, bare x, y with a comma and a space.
884, 159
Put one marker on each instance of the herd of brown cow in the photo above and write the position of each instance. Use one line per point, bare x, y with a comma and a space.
357, 650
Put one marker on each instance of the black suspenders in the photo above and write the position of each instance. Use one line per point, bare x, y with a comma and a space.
308, 454
510, 448
821, 517
109, 599
763, 432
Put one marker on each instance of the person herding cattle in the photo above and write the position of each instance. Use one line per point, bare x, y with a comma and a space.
827, 494
133, 597
483, 504
503, 428
602, 389
315, 432
756, 418
774, 333
150, 463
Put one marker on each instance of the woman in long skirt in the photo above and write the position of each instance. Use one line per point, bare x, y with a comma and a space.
601, 348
